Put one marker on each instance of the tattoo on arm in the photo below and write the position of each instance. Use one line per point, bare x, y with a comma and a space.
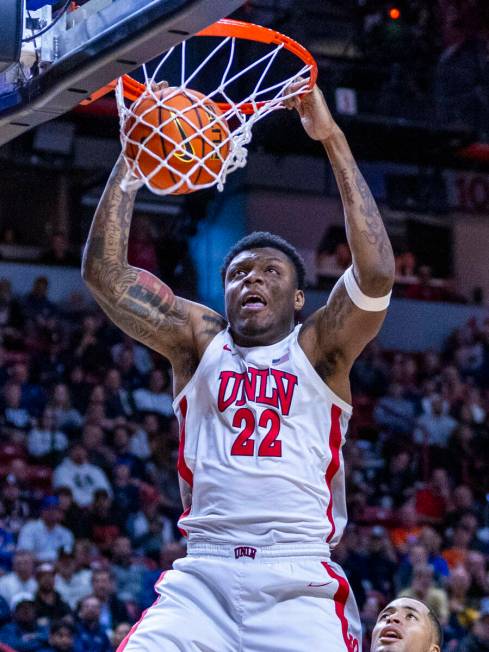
375, 233
212, 325
134, 299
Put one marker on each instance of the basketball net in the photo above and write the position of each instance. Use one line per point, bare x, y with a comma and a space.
236, 121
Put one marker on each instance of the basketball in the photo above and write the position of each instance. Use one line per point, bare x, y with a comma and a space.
193, 138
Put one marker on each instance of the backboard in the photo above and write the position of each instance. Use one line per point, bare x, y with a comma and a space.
87, 48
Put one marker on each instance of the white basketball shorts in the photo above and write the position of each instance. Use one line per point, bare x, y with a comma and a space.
246, 599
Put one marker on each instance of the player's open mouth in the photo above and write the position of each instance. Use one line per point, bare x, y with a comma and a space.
253, 302
390, 634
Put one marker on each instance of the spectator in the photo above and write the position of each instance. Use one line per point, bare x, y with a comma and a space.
90, 635
15, 419
121, 445
126, 491
37, 307
70, 584
121, 631
59, 252
81, 477
127, 573
48, 602
72, 515
380, 562
23, 634
432, 500
423, 588
45, 537
394, 411
21, 579
124, 358
103, 520
423, 289
112, 610
67, 418
149, 430
117, 402
156, 396
16, 508
61, 637
46, 443
436, 428
478, 639
94, 442
11, 316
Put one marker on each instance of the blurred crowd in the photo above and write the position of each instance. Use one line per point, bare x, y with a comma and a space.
417, 484
89, 496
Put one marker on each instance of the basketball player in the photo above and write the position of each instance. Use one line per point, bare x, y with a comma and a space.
263, 407
407, 625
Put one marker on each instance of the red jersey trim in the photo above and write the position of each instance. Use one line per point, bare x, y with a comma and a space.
182, 467
334, 465
340, 599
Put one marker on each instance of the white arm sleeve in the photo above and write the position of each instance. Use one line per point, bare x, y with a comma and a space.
359, 298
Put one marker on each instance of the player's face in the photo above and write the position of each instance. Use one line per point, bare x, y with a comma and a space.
404, 626
261, 296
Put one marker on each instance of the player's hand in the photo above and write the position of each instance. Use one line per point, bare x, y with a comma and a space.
315, 115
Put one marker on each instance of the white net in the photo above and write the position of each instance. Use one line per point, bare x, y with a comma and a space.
192, 157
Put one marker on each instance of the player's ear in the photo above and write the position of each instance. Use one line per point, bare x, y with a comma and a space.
435, 648
299, 300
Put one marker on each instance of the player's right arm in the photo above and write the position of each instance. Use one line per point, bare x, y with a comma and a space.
139, 303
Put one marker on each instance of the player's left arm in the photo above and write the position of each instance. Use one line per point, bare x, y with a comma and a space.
335, 335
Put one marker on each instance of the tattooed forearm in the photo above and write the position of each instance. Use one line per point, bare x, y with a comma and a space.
138, 302
366, 233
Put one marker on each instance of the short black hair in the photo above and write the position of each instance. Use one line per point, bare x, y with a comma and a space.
436, 625
261, 239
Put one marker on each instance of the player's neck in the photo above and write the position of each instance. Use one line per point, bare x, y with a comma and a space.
260, 339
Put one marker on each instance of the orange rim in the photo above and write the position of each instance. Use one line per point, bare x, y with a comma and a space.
226, 27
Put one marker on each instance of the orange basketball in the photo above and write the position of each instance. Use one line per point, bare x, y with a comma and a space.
181, 156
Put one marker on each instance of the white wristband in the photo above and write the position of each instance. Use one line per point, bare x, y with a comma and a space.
359, 298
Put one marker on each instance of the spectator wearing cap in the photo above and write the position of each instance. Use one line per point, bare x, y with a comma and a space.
45, 537
70, 584
23, 634
112, 610
80, 476
49, 604
478, 639
21, 579
61, 636
90, 635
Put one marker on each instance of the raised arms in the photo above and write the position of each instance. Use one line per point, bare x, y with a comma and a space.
139, 303
336, 334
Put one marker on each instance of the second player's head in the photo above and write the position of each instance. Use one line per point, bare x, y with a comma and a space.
406, 625
263, 279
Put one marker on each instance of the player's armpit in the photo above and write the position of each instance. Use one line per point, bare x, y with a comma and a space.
335, 335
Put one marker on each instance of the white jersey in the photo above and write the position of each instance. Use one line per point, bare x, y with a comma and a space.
260, 444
